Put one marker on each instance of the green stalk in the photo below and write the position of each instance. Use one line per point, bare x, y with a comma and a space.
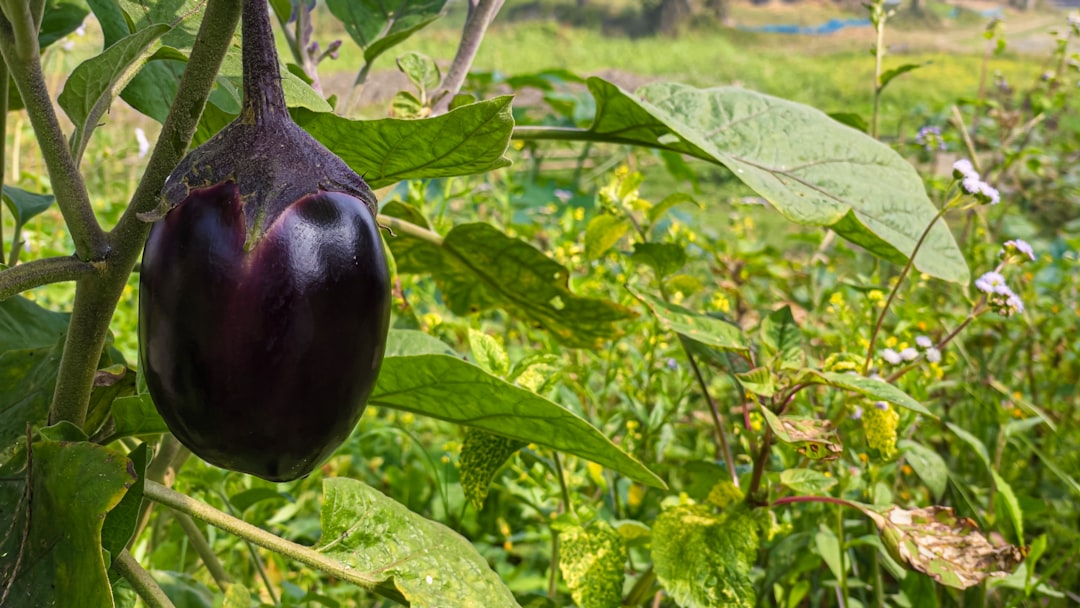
3, 146
96, 296
18, 279
481, 13
19, 46
141, 581
899, 282
879, 16
305, 555
204, 550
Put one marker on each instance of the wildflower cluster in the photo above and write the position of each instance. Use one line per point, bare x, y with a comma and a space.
879, 424
999, 297
929, 137
910, 353
971, 183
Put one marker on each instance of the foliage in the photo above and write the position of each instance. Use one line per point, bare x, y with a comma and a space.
635, 367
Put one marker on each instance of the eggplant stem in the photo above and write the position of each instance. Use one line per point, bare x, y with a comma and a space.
262, 76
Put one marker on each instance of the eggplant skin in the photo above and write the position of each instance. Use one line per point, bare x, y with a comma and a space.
262, 360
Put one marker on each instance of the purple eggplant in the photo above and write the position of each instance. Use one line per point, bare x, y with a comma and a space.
264, 289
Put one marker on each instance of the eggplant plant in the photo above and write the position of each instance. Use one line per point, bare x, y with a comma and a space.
273, 309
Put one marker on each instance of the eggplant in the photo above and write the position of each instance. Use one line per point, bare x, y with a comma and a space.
264, 289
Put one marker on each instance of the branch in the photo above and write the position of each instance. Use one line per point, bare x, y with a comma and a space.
305, 555
18, 279
481, 13
394, 224
141, 581
203, 548
19, 46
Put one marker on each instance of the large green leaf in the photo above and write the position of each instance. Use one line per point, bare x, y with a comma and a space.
27, 378
469, 139
430, 565
25, 205
24, 324
91, 87
447, 388
377, 25
477, 267
74, 486
812, 169
782, 338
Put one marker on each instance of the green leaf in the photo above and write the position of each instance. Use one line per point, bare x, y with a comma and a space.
657, 211
976, 445
592, 560
851, 119
812, 169
431, 565
92, 86
61, 17
74, 486
1012, 505
888, 75
664, 258
813, 438
470, 139
807, 481
702, 328
782, 339
122, 520
488, 354
136, 415
450, 389
25, 205
421, 70
246, 499
705, 560
404, 342
602, 232
236, 596
936, 542
377, 25
759, 381
928, 465
482, 455
872, 388
477, 267
27, 378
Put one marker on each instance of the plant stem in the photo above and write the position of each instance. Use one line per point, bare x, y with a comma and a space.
262, 91
204, 512
828, 499
896, 288
481, 13
842, 542
408, 228
96, 296
18, 279
141, 581
562, 482
203, 548
19, 46
718, 418
880, 16
759, 462
3, 148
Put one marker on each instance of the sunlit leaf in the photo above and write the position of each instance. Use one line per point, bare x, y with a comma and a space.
872, 388
928, 465
379, 25
703, 328
782, 338
592, 560
811, 168
482, 455
704, 560
602, 232
450, 389
470, 139
431, 565
807, 481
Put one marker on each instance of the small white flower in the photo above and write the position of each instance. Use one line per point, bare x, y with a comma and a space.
933, 355
964, 168
971, 184
857, 414
881, 405
924, 342
909, 354
1013, 305
1019, 246
144, 144
563, 195
989, 192
891, 356
989, 281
